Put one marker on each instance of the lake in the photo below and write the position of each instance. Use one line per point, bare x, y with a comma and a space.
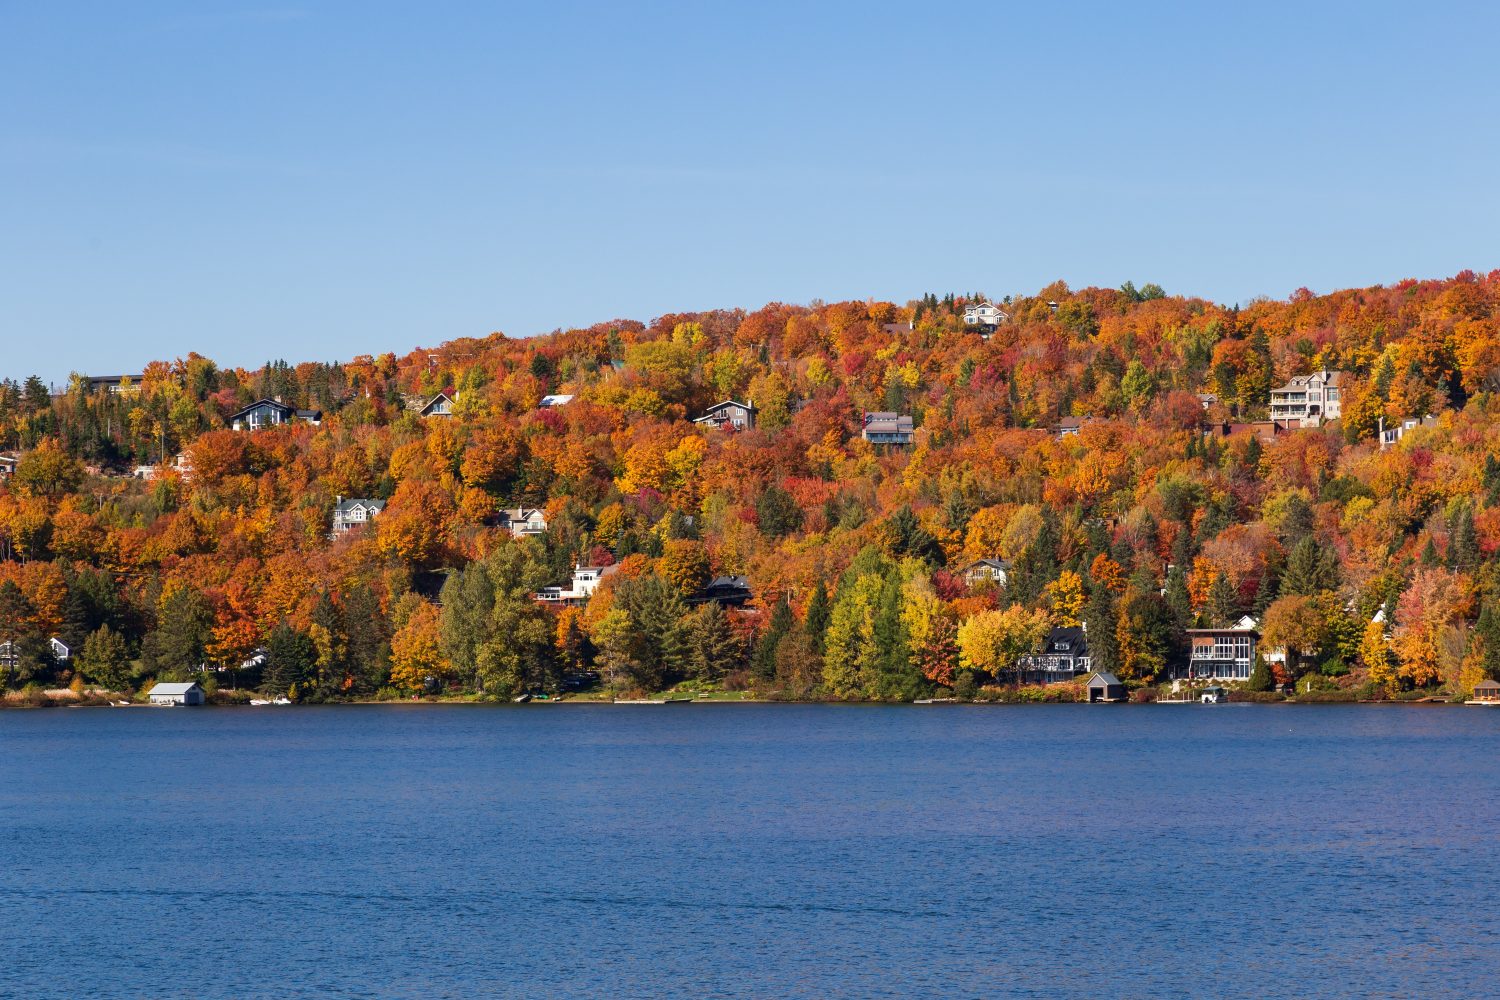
750, 850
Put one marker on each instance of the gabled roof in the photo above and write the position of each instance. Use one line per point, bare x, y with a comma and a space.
521, 513
345, 506
273, 404
1487, 685
1074, 635
173, 688
426, 408
560, 399
1103, 677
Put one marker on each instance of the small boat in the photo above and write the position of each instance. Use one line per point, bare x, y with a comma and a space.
121, 704
682, 700
640, 701
283, 700
934, 701
259, 701
1213, 696
521, 699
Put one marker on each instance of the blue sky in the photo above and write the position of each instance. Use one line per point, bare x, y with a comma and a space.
313, 181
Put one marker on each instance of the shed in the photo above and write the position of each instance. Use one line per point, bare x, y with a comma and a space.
1105, 686
176, 694
1487, 691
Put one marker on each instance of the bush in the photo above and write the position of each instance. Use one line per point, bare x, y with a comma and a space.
1260, 676
964, 686
1335, 667
1259, 697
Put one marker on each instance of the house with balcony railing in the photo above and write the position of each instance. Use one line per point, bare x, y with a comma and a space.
1220, 654
1309, 399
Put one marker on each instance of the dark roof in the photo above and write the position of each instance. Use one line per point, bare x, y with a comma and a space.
1103, 677
1073, 636
258, 404
345, 506
1487, 685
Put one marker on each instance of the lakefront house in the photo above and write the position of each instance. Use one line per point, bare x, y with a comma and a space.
1064, 655
1220, 654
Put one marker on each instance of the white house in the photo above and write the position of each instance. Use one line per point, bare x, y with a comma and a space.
8, 465
1390, 435
585, 581
1309, 399
984, 314
559, 400
1221, 654
524, 522
176, 694
352, 513
9, 656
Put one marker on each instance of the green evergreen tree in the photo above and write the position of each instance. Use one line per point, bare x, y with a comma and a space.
1310, 570
781, 622
291, 660
1260, 675
1100, 621
713, 648
815, 621
1223, 603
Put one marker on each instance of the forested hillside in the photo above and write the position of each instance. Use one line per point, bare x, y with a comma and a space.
1370, 567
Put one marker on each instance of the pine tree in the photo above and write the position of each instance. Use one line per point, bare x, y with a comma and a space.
1223, 603
1100, 621
1311, 569
764, 662
816, 618
1260, 675
1463, 542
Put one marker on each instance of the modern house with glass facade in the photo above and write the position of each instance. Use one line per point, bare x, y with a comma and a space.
1220, 654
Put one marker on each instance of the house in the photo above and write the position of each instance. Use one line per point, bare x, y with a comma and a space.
550, 401
353, 513
1207, 399
730, 413
887, 428
1069, 426
440, 405
265, 413
1309, 399
1264, 430
524, 522
1390, 435
728, 591
1104, 686
1220, 654
985, 314
176, 694
986, 571
1064, 655
8, 465
113, 383
585, 581
10, 655
1487, 691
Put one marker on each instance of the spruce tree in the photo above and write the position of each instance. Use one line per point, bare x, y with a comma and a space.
1100, 620
816, 618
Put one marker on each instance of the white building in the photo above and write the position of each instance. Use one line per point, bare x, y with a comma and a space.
562, 399
1309, 399
984, 314
176, 694
1390, 435
1221, 654
585, 581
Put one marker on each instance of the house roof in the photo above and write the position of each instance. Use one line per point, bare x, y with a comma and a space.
994, 563
345, 506
1103, 677
426, 407
556, 400
1326, 377
741, 582
1487, 685
521, 513
1074, 635
888, 423
173, 688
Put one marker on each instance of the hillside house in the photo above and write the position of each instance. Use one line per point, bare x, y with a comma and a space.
548, 402
354, 513
176, 694
1063, 656
727, 591
1220, 654
265, 413
524, 522
1069, 426
994, 571
984, 314
113, 383
1308, 400
887, 428
586, 580
730, 413
8, 465
440, 405
1487, 691
1391, 435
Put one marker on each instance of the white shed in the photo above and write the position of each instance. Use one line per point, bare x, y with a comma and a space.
176, 694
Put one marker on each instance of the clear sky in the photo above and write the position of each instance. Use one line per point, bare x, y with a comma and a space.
312, 181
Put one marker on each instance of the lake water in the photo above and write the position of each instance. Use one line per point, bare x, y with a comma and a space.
744, 850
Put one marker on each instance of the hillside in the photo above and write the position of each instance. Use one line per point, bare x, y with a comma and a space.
1106, 452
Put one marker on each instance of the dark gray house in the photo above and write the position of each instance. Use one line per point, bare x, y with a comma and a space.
1064, 655
265, 413
887, 428
728, 591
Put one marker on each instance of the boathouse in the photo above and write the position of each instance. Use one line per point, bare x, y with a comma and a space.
1487, 691
1105, 686
176, 694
